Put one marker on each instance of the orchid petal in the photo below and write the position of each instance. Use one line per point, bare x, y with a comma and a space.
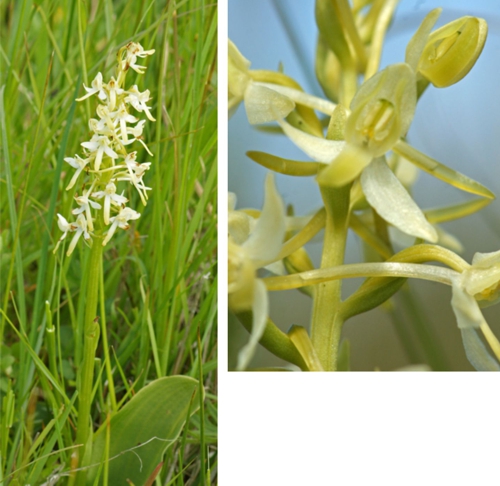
238, 77
238, 226
260, 310
231, 201
390, 199
486, 260
482, 280
346, 167
319, 149
419, 40
466, 308
265, 242
301, 98
264, 105
476, 352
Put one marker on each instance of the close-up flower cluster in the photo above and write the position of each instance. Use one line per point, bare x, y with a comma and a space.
365, 169
106, 158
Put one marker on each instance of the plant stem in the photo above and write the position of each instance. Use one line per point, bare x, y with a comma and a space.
327, 324
91, 338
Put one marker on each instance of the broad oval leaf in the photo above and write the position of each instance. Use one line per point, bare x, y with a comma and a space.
144, 429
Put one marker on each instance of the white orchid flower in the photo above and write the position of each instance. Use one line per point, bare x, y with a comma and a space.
123, 117
476, 287
120, 221
249, 250
262, 104
79, 227
85, 204
99, 145
138, 100
77, 163
108, 117
135, 50
135, 174
110, 198
64, 226
137, 134
113, 90
95, 87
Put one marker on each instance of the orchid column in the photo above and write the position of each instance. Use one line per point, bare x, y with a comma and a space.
106, 163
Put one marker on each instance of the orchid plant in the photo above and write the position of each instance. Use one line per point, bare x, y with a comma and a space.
364, 167
106, 164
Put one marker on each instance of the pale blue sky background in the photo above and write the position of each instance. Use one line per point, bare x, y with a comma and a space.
459, 126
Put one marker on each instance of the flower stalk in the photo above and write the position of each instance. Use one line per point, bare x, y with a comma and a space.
326, 322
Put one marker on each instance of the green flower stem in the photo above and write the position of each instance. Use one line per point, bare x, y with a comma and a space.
326, 322
91, 338
105, 346
51, 342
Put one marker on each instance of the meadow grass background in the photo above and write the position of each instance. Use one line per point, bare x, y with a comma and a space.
159, 277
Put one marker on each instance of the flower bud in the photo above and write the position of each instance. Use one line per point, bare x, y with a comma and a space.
452, 50
327, 70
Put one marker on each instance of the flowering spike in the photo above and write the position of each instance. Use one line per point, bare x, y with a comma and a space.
106, 154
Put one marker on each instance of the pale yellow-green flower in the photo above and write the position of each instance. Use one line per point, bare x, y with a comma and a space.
446, 55
262, 104
252, 246
381, 113
478, 286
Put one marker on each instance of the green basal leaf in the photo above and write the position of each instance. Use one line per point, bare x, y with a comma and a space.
144, 429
